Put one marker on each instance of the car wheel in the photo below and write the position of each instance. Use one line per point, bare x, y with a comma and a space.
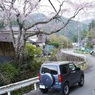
44, 91
81, 83
66, 89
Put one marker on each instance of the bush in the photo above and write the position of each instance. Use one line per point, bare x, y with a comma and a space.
7, 73
55, 44
32, 53
89, 45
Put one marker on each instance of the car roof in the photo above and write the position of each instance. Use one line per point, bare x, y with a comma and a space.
57, 63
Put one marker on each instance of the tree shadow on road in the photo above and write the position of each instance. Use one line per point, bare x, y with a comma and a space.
54, 92
73, 88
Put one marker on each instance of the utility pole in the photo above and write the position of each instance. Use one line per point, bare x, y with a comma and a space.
78, 39
78, 34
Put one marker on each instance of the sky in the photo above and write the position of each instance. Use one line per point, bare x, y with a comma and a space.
69, 8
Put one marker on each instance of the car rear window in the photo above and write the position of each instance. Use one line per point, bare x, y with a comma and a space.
52, 69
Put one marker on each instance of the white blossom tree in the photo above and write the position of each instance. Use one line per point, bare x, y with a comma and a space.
21, 10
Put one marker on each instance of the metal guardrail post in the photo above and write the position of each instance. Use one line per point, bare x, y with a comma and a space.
35, 86
9, 93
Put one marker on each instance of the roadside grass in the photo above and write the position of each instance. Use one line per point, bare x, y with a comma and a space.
80, 52
83, 66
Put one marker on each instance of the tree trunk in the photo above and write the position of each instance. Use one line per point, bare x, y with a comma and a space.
19, 52
18, 57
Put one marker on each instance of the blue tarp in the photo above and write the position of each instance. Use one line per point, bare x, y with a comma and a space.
49, 47
87, 50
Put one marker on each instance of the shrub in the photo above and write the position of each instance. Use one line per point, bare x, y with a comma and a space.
55, 44
89, 45
7, 73
31, 52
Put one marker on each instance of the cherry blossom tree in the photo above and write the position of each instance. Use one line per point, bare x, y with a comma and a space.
21, 10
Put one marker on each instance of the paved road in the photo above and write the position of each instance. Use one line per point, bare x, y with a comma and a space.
87, 89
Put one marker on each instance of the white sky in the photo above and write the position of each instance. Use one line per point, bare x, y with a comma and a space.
68, 9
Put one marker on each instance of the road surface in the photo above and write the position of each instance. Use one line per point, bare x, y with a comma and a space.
87, 89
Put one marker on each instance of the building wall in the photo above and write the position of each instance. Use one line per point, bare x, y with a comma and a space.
6, 49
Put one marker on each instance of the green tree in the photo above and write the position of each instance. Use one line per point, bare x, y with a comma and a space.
89, 36
59, 41
75, 38
92, 25
1, 24
83, 34
89, 45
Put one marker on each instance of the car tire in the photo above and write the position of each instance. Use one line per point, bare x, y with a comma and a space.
66, 89
44, 91
81, 83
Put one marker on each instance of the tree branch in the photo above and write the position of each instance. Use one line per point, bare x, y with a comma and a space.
46, 33
77, 11
1, 7
52, 6
45, 22
30, 6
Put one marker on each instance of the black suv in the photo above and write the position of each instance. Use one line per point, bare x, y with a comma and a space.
60, 76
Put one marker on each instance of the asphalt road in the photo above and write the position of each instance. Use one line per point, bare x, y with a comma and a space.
87, 89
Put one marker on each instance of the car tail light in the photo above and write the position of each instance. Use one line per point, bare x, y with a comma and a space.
39, 76
59, 78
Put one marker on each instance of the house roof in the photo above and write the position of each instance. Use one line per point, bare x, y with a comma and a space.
37, 40
5, 37
16, 29
41, 38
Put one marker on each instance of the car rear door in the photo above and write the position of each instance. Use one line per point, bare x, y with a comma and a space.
52, 70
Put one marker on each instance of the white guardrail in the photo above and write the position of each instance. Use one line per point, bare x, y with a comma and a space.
12, 87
